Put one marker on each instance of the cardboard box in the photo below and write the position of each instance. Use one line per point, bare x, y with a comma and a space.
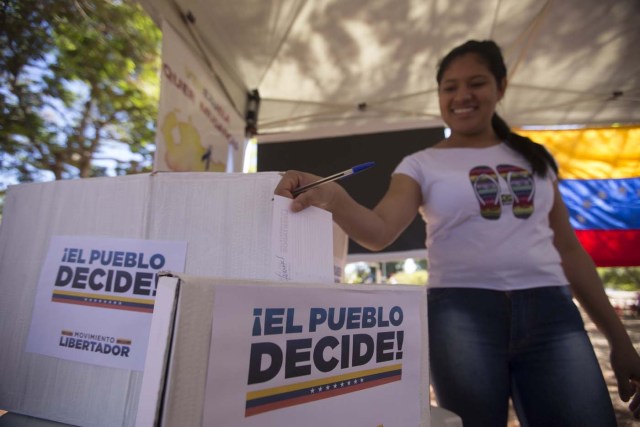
226, 220
250, 353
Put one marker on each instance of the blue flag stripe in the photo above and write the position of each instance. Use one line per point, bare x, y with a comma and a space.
602, 204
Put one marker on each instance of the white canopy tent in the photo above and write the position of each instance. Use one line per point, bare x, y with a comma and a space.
369, 65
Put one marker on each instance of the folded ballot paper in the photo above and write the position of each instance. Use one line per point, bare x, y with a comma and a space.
246, 353
79, 262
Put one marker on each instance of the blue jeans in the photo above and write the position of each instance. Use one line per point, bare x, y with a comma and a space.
487, 346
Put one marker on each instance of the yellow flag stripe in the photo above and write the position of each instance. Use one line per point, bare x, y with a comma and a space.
602, 153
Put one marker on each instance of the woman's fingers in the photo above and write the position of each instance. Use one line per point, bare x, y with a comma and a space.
291, 180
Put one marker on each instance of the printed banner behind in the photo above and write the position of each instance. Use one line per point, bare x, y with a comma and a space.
197, 129
95, 298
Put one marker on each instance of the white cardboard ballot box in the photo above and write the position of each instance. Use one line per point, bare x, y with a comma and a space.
250, 353
225, 222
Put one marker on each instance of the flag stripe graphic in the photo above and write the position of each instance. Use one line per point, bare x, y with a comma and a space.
93, 300
281, 397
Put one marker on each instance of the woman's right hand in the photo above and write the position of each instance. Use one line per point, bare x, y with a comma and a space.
322, 196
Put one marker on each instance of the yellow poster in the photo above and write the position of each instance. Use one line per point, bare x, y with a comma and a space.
197, 129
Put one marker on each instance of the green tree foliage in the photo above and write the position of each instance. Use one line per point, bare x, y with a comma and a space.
622, 278
76, 77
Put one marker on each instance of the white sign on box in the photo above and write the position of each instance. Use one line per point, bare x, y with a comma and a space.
96, 296
315, 357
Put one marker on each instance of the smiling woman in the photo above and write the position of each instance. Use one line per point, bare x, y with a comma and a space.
468, 96
503, 261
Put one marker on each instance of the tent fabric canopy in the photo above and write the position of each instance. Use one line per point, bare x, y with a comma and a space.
325, 63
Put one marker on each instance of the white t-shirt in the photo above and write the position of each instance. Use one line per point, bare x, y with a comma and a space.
487, 218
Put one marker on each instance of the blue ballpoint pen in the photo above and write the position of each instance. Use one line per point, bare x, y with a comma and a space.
334, 177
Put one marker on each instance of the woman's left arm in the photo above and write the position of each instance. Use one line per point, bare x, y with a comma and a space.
588, 289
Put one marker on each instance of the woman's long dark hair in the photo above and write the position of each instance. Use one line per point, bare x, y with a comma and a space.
537, 156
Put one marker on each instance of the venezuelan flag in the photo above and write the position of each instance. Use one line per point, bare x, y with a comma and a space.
600, 184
